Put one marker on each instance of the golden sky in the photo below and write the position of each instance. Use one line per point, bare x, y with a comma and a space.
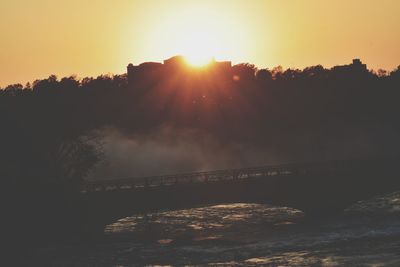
88, 38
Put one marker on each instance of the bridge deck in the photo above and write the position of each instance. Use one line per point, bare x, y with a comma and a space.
330, 167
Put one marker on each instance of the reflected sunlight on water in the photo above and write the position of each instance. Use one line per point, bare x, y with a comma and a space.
211, 217
245, 234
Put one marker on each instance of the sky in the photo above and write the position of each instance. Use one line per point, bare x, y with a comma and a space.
88, 38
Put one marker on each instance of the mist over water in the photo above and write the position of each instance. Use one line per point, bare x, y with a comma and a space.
169, 150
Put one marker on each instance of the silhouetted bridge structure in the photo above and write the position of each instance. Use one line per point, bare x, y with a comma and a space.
318, 189
189, 178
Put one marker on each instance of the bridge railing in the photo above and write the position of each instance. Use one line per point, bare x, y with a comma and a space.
330, 167
185, 178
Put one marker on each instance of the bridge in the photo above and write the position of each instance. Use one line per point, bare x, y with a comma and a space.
318, 189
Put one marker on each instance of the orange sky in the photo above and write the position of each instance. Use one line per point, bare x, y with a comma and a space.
88, 38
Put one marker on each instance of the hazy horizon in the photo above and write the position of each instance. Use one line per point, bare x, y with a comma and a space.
73, 38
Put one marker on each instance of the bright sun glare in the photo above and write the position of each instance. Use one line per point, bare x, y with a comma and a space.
199, 38
199, 47
198, 59
199, 34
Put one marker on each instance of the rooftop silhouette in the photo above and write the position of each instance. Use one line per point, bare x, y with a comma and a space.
149, 72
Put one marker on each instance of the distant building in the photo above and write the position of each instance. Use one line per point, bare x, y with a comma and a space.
149, 73
223, 65
144, 73
175, 61
356, 65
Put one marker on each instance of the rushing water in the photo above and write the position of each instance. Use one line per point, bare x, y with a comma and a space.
243, 235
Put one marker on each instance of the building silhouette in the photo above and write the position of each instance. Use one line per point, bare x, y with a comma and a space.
148, 74
356, 67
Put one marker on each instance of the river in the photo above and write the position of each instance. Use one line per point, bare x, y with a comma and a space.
368, 234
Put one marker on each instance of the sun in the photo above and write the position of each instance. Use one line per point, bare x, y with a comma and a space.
199, 47
198, 60
199, 34
198, 42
